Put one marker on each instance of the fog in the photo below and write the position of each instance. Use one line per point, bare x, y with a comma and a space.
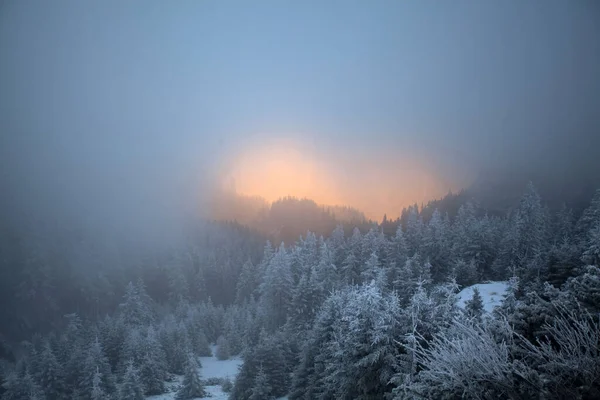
127, 114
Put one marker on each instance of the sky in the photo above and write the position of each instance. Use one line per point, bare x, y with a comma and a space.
136, 109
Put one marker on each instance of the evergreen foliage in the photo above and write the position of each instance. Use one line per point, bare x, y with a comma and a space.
192, 386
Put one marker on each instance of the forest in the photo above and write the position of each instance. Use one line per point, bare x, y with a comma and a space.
368, 313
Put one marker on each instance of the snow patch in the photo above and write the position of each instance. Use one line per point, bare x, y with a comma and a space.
211, 368
214, 368
492, 294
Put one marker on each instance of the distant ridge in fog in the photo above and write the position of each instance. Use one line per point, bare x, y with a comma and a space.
284, 219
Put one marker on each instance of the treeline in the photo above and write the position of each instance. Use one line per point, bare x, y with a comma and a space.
286, 218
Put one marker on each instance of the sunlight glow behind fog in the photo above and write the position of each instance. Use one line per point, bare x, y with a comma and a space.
283, 169
376, 185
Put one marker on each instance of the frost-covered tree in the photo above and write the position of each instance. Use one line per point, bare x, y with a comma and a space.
94, 361
277, 288
98, 392
112, 335
268, 355
261, 390
309, 378
136, 307
338, 244
192, 385
21, 385
371, 268
363, 355
175, 341
305, 301
413, 271
474, 307
531, 225
585, 288
131, 388
236, 323
153, 364
326, 271
50, 374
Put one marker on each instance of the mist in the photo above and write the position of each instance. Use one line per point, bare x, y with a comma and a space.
127, 115
210, 199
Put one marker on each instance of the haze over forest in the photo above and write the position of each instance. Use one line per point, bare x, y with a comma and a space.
112, 113
312, 191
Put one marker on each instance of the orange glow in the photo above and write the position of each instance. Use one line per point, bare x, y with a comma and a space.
375, 185
282, 170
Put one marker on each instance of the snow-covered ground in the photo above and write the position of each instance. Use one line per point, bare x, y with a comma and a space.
492, 294
211, 368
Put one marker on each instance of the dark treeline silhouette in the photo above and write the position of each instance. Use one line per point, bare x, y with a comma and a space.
286, 218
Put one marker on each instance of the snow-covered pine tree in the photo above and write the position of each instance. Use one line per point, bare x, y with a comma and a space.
371, 269
277, 289
338, 243
94, 361
409, 275
20, 385
304, 302
113, 332
309, 377
364, 354
261, 390
474, 307
131, 388
175, 341
98, 392
50, 374
192, 385
136, 308
326, 270
153, 366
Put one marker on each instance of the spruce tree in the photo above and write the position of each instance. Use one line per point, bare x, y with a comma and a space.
261, 389
50, 375
94, 361
276, 289
131, 388
474, 307
97, 392
153, 368
191, 386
